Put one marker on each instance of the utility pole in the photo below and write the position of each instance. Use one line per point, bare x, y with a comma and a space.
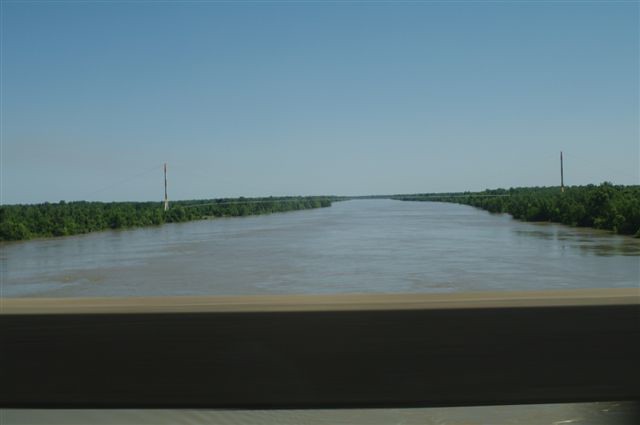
561, 174
166, 199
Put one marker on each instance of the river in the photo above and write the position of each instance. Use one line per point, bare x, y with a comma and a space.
359, 246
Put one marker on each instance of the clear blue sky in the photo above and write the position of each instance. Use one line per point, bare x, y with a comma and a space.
287, 98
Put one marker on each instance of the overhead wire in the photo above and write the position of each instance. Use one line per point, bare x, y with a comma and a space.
600, 167
125, 180
183, 167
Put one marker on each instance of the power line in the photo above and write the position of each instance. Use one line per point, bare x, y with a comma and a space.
239, 202
120, 182
166, 198
601, 168
436, 195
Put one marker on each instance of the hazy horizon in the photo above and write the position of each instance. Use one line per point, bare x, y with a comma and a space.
302, 195
284, 99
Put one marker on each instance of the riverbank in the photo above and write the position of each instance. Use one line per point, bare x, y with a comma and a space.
21, 222
607, 206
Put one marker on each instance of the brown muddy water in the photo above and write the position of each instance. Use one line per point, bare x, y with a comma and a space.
360, 246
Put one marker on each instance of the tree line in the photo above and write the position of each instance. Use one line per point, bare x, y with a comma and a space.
604, 206
19, 222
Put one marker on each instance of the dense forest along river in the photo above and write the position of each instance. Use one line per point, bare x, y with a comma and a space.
352, 247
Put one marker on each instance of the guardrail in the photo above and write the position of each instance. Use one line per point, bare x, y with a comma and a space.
321, 351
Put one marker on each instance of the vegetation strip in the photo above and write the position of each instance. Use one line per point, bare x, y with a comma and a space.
606, 206
19, 222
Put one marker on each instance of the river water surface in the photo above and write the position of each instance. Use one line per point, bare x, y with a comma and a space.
359, 246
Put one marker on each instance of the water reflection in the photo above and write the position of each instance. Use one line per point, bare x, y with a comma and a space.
588, 241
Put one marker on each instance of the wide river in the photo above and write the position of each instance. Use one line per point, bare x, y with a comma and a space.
357, 246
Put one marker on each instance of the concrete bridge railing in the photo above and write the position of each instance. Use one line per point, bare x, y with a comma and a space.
321, 351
